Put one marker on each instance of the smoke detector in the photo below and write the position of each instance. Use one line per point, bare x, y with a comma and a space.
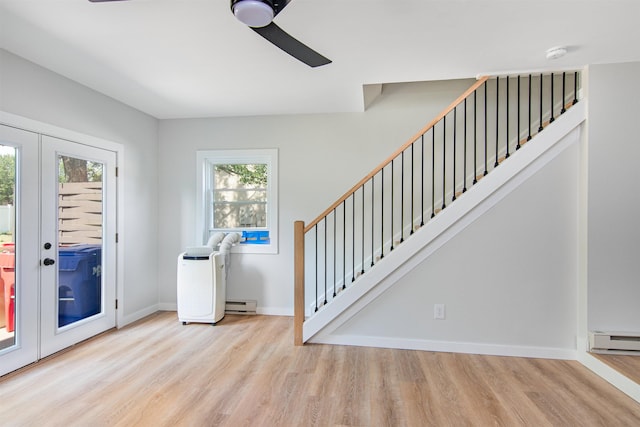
556, 52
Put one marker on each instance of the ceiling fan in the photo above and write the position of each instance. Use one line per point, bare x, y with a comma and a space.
259, 14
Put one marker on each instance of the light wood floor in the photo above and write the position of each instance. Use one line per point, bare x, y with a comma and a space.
629, 366
246, 372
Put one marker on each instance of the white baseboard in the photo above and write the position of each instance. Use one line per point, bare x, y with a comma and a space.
613, 377
275, 311
130, 318
268, 311
449, 347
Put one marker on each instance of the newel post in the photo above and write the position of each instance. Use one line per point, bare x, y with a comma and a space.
298, 277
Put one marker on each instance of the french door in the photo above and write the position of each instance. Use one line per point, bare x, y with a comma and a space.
77, 243
61, 249
19, 254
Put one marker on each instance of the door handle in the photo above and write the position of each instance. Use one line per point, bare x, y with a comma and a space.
49, 261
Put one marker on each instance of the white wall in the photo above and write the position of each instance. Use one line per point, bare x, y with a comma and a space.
32, 92
613, 202
320, 157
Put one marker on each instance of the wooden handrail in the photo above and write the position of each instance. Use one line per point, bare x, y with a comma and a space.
406, 145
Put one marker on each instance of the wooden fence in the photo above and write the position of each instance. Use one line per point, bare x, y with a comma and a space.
80, 213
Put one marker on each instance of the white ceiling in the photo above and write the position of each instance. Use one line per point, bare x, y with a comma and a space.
192, 58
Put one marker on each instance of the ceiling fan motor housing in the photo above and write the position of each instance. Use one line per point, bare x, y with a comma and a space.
254, 13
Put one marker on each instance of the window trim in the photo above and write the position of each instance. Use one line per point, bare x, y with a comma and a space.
206, 158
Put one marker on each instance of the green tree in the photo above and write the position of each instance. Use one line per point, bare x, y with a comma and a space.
249, 174
71, 169
7, 178
94, 172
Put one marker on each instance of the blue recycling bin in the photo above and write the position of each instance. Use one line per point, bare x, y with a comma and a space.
79, 282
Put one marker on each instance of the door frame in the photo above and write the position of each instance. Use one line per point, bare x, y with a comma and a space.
41, 128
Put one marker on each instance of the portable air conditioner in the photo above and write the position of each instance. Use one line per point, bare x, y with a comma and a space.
201, 287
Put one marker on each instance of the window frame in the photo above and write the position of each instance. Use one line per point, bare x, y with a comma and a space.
206, 159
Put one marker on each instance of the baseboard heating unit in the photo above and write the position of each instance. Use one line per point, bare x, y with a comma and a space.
241, 307
615, 342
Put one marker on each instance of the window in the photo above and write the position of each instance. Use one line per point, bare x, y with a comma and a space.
237, 192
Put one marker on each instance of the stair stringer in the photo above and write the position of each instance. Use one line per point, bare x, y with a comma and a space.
478, 199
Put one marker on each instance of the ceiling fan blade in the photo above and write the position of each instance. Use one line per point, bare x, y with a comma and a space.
293, 47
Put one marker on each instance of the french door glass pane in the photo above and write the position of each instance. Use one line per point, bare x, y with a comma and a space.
7, 246
80, 214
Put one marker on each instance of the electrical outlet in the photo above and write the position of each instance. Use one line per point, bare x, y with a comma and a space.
438, 311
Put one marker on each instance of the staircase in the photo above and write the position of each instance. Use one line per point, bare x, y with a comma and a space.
406, 207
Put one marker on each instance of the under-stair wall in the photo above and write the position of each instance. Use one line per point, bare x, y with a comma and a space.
507, 279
